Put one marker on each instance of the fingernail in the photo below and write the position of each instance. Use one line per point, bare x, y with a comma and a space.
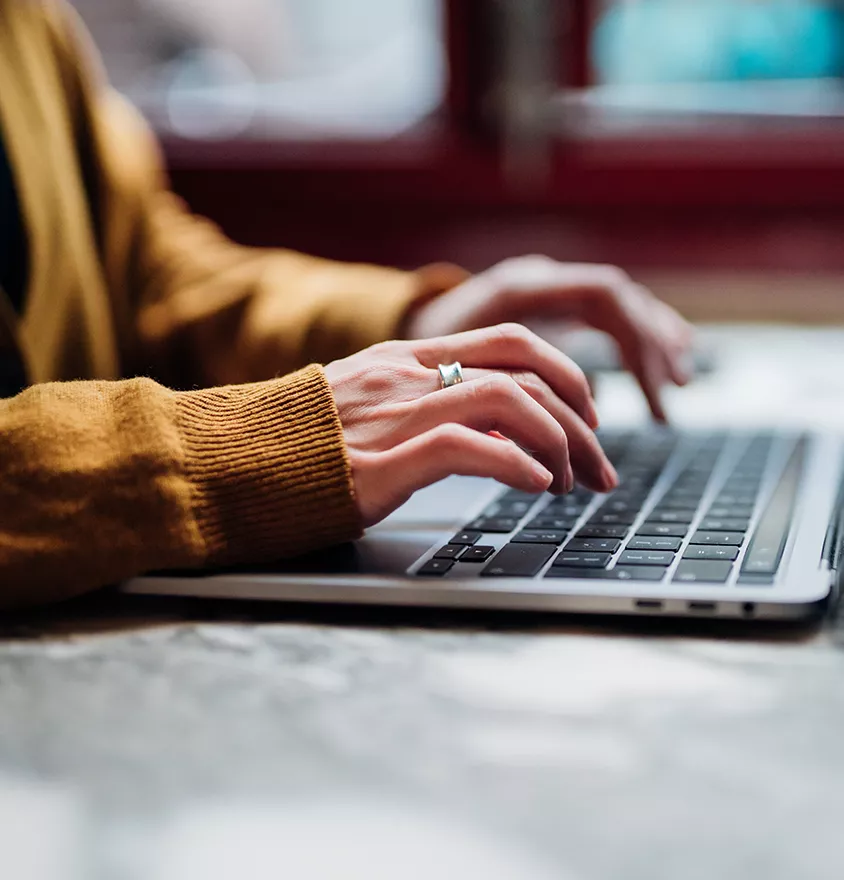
610, 476
569, 478
592, 416
542, 475
685, 368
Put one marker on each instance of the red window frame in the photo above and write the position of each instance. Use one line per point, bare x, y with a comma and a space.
450, 171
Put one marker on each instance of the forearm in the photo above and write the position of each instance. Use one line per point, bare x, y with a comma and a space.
100, 481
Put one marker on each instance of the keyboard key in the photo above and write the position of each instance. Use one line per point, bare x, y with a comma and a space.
664, 530
494, 524
646, 557
583, 560
619, 505
683, 503
613, 519
519, 495
603, 531
629, 496
764, 560
551, 522
672, 544
680, 493
737, 511
519, 560
671, 516
539, 537
595, 545
702, 571
450, 551
478, 553
724, 524
635, 573
748, 487
756, 580
436, 567
466, 538
700, 552
564, 508
737, 499
619, 573
730, 539
508, 508
558, 571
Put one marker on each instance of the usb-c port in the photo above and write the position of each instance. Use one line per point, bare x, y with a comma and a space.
702, 606
649, 604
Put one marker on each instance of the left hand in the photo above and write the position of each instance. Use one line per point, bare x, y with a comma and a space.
653, 339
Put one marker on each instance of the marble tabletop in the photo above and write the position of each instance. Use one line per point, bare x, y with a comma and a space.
152, 739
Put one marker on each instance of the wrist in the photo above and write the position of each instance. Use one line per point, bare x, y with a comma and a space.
472, 304
268, 464
436, 281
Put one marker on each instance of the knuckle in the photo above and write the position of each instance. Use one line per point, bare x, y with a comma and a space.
516, 335
408, 374
614, 277
449, 439
383, 349
390, 380
527, 381
516, 271
532, 262
499, 388
378, 380
536, 388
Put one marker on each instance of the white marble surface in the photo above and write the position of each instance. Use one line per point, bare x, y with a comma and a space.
155, 741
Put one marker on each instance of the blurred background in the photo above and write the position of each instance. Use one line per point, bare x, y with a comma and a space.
697, 143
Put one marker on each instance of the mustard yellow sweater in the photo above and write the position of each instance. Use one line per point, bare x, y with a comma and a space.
107, 476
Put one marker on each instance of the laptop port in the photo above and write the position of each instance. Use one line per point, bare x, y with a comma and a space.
749, 609
703, 607
649, 604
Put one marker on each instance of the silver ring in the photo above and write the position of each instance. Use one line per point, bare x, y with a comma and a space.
450, 374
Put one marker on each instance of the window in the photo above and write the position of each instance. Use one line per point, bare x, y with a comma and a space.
274, 68
742, 61
693, 41
667, 134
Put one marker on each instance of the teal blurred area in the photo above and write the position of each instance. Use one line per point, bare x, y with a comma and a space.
675, 41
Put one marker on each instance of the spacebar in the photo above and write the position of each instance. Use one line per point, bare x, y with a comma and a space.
519, 560
768, 542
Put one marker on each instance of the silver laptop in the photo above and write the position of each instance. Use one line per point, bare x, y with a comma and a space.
703, 524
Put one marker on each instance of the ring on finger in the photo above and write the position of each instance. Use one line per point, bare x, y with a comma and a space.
450, 374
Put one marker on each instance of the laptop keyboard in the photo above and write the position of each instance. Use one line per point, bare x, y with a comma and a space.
689, 508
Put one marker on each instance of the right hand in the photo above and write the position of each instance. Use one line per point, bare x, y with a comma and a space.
519, 393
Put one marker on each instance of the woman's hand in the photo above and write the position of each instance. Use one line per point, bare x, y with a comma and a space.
653, 339
519, 393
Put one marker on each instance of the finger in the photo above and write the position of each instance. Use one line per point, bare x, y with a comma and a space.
495, 402
455, 449
630, 314
515, 347
650, 373
671, 333
643, 351
589, 462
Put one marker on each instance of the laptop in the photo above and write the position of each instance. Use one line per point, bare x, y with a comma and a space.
713, 524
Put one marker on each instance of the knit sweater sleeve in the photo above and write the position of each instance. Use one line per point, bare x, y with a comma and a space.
206, 310
101, 481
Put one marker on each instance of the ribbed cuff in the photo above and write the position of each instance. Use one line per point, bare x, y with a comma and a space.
268, 468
